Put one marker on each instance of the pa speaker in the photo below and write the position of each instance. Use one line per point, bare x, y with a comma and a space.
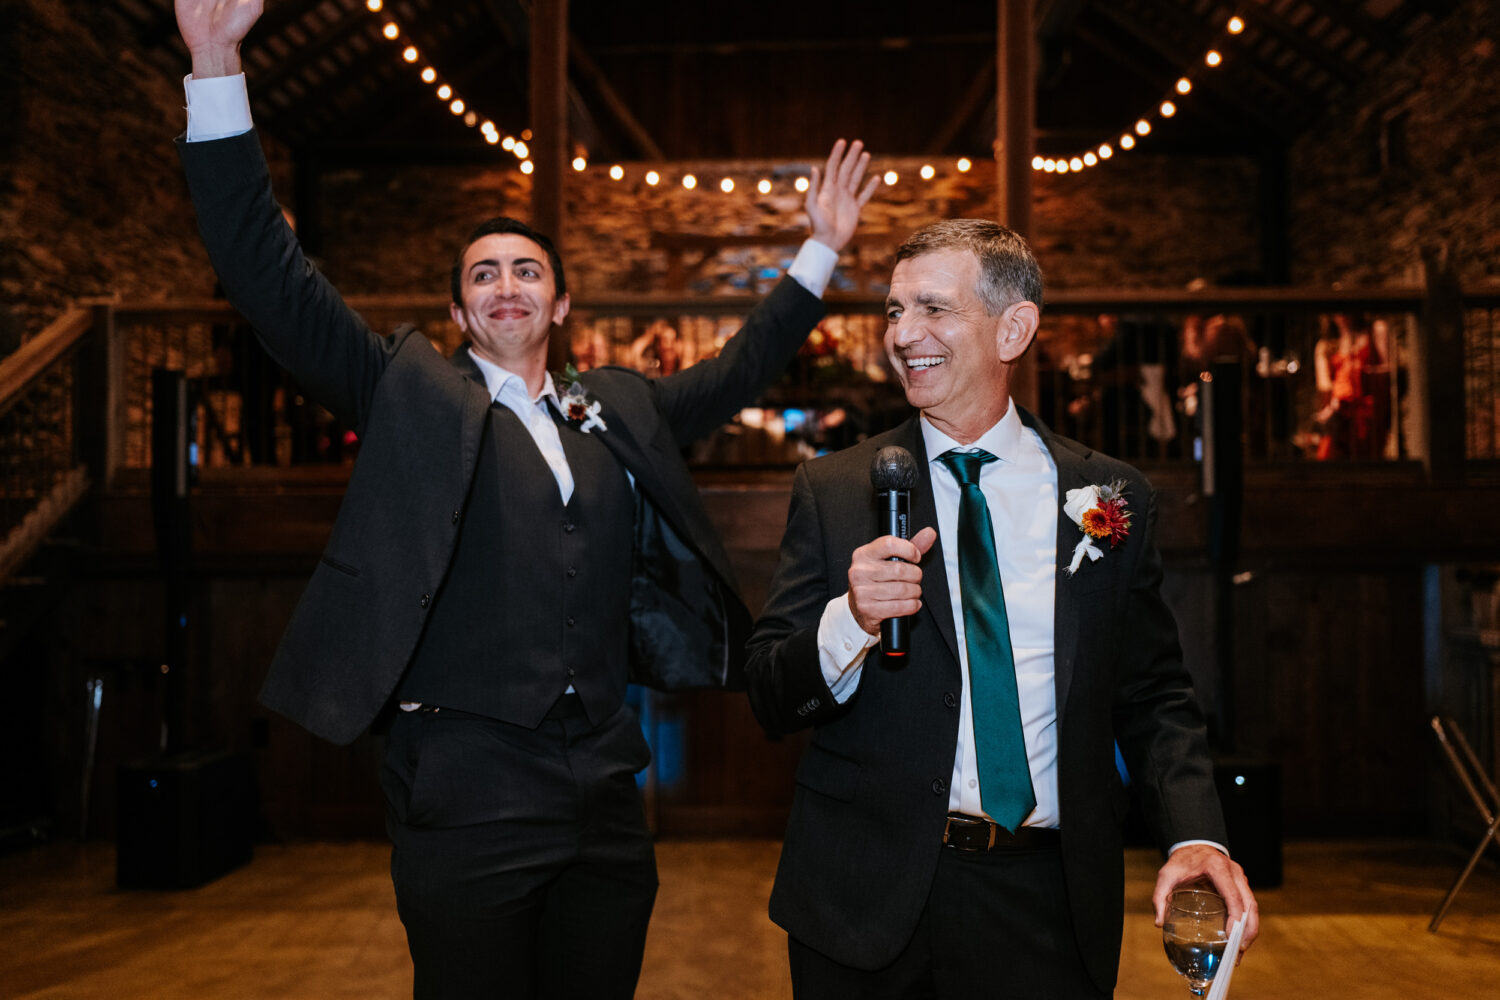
184, 819
1250, 791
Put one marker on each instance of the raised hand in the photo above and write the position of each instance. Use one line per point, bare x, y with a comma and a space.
213, 30
834, 198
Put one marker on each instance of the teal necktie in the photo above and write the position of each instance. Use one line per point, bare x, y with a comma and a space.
999, 745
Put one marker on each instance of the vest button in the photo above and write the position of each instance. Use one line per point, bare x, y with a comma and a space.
949, 699
455, 517
572, 571
426, 600
939, 786
570, 621
568, 526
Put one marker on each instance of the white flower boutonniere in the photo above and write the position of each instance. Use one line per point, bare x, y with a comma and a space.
1100, 513
575, 402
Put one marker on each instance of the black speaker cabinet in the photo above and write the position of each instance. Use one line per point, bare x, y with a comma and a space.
184, 819
1250, 790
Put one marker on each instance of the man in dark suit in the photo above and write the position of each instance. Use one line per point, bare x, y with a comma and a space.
509, 550
956, 824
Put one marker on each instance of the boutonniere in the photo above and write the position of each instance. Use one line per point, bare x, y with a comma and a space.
1100, 513
577, 406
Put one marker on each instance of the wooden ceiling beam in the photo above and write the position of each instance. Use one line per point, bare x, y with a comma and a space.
1265, 19
1352, 16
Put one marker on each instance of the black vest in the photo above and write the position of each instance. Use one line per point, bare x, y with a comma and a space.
538, 594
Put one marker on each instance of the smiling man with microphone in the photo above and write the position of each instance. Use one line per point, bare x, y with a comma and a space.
956, 825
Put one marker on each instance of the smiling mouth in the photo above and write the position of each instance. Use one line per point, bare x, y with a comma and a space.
922, 364
509, 313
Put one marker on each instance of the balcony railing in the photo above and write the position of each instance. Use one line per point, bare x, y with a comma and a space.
1416, 375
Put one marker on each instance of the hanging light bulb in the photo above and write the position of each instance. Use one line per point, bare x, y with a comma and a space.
689, 181
1235, 26
928, 171
764, 187
616, 172
429, 74
726, 185
1089, 159
374, 6
521, 150
800, 184
1062, 166
1167, 109
390, 30
527, 166
1037, 162
1213, 58
580, 164
963, 164
891, 177
444, 92
1106, 151
1184, 85
409, 53
653, 178
456, 106
1127, 141
1075, 164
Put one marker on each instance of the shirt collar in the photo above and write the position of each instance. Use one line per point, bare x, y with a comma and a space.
1003, 440
498, 381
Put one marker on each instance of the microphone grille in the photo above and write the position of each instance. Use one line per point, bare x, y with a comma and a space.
893, 468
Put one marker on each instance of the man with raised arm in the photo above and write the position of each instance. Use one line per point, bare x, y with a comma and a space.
955, 831
509, 552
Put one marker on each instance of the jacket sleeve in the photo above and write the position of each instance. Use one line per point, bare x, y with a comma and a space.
698, 400
1159, 724
305, 325
783, 676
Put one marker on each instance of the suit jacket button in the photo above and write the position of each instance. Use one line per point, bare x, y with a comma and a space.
455, 517
568, 526
570, 621
939, 786
949, 699
426, 600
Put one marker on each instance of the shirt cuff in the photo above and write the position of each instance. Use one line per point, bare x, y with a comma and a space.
842, 645
1211, 843
813, 267
217, 107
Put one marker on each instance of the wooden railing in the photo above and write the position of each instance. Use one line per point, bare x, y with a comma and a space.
1116, 369
48, 406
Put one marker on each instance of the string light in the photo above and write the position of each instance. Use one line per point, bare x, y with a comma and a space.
963, 164
456, 106
580, 164
1166, 108
891, 177
764, 187
444, 92
374, 6
653, 178
616, 172
928, 171
726, 185
527, 167
390, 30
521, 150
429, 74
801, 184
409, 53
689, 181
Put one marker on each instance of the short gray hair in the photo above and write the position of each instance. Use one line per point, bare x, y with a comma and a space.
1008, 273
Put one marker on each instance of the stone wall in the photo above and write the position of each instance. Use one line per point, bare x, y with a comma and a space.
1410, 160
92, 200
1142, 221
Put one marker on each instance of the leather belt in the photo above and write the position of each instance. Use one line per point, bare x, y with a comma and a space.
976, 835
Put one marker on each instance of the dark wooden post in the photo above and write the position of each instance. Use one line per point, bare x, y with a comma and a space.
1016, 101
549, 127
1440, 362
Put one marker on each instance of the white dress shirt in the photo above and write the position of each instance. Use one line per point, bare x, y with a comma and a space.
1021, 490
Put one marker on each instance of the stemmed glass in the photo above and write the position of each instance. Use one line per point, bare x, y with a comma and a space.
1194, 935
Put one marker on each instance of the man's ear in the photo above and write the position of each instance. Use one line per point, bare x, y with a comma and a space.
560, 309
1018, 326
457, 313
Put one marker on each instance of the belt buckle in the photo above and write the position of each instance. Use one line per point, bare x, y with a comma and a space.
969, 823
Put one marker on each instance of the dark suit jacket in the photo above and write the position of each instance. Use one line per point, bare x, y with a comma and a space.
420, 419
872, 789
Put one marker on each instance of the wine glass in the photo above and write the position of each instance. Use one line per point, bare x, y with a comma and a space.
1194, 935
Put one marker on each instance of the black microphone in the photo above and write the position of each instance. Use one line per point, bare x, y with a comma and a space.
893, 473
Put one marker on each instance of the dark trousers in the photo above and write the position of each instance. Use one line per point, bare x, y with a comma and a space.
522, 862
995, 926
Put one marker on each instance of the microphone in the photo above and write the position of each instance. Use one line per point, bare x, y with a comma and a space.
893, 473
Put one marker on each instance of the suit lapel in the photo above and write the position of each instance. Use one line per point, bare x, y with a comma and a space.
937, 603
1067, 616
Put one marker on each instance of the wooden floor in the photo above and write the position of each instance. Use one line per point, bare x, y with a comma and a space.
318, 921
